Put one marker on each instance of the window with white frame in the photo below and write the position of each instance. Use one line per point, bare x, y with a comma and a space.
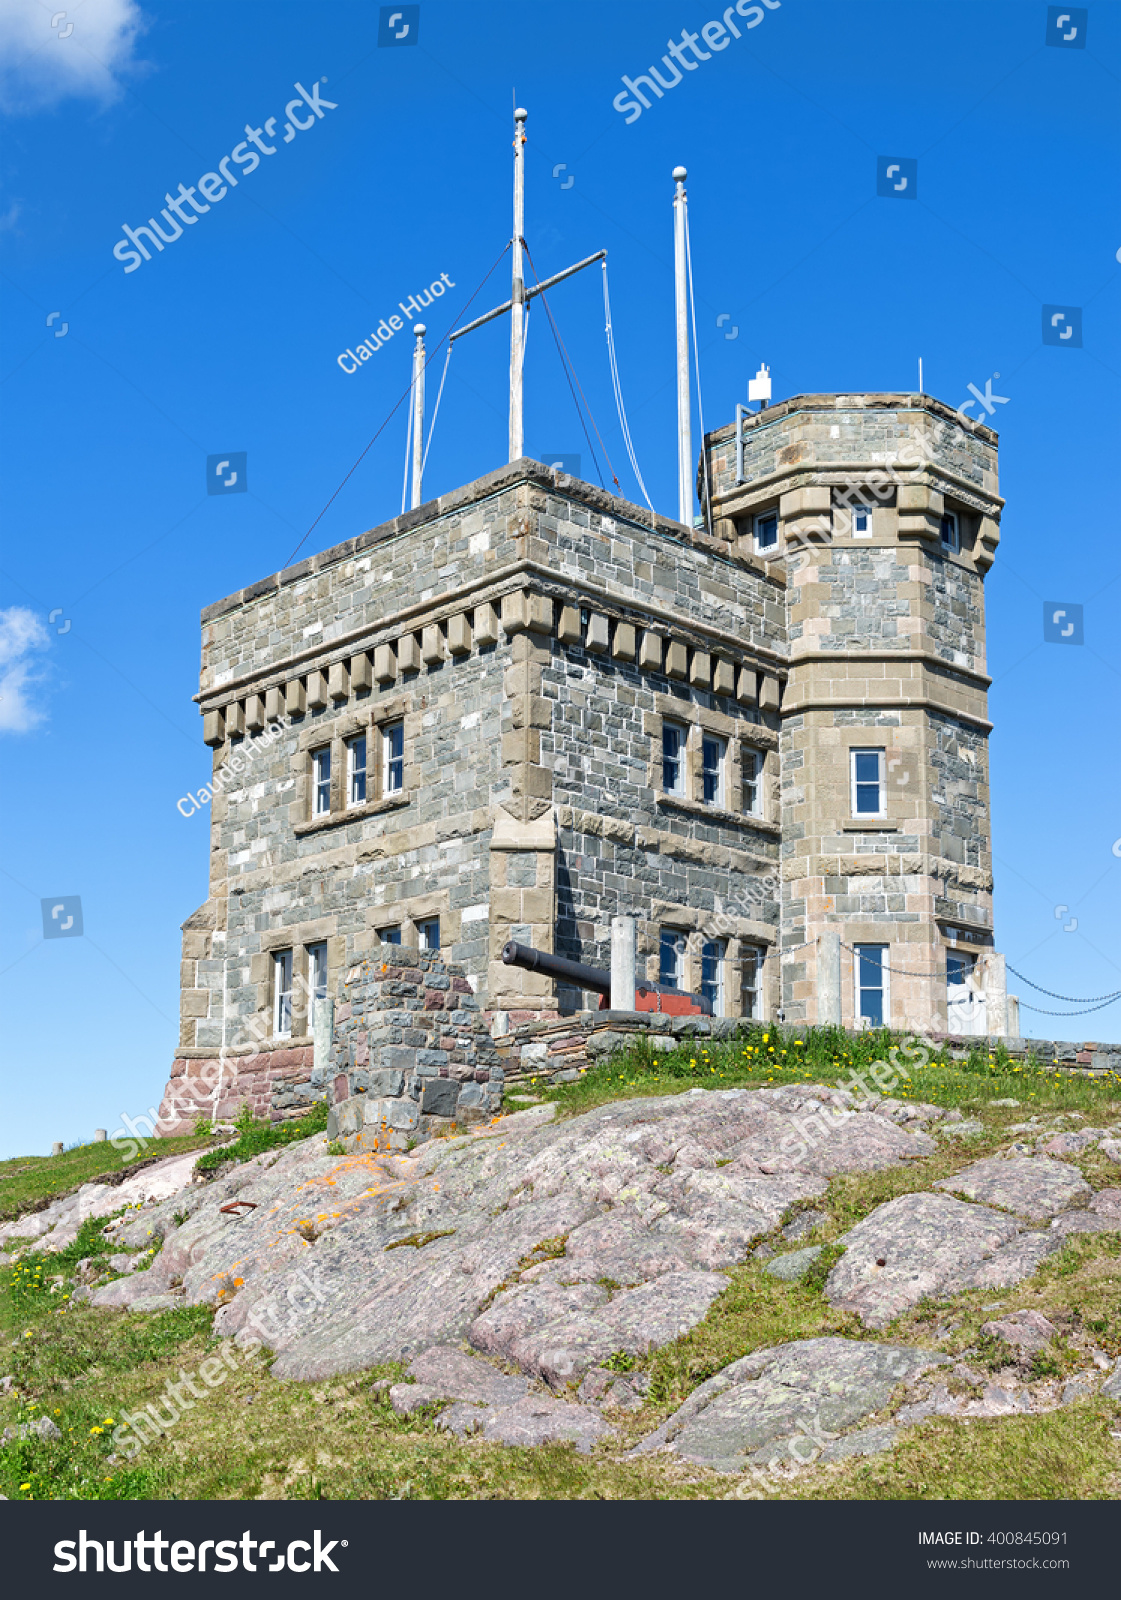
674, 740
862, 522
321, 781
766, 530
356, 770
713, 752
751, 980
751, 768
428, 933
871, 979
713, 961
866, 783
950, 532
671, 957
317, 971
393, 758
282, 993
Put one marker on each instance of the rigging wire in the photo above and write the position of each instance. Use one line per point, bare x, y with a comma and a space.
697, 370
618, 391
389, 418
566, 361
436, 407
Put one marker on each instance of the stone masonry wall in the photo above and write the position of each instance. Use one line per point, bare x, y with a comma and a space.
411, 1053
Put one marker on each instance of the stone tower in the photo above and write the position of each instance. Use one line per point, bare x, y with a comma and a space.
883, 511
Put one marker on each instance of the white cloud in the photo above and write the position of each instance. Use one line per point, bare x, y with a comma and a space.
21, 633
87, 51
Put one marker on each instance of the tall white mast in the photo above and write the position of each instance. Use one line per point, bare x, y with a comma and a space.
418, 413
684, 406
517, 290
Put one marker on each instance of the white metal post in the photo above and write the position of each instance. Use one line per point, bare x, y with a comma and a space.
517, 289
418, 413
684, 406
623, 931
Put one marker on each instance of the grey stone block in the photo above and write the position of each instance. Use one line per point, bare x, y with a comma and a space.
440, 1097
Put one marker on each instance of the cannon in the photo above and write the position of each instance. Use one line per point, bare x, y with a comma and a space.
648, 996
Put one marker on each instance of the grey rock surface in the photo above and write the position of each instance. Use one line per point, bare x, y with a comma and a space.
794, 1265
444, 1373
1111, 1388
345, 1262
1027, 1330
911, 1247
791, 1402
538, 1419
1035, 1187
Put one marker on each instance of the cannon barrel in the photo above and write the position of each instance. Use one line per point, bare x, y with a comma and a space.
574, 972
592, 978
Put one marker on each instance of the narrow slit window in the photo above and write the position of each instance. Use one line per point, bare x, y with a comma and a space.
713, 751
671, 958
862, 522
867, 783
950, 536
317, 971
871, 984
751, 964
752, 768
390, 935
673, 758
429, 933
356, 771
393, 758
713, 954
282, 993
321, 781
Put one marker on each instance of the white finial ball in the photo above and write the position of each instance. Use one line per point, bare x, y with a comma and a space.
520, 114
420, 330
679, 174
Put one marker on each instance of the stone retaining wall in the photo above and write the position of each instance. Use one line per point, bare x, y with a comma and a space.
557, 1052
412, 1054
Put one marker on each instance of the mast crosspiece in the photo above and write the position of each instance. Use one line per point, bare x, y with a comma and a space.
519, 294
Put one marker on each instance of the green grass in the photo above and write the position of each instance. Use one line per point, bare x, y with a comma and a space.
255, 1137
28, 1183
763, 1055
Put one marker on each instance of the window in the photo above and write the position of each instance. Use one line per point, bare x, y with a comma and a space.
317, 971
356, 770
862, 522
713, 952
393, 758
950, 531
390, 935
282, 992
713, 751
321, 781
673, 758
751, 960
671, 957
751, 763
429, 934
766, 530
871, 984
867, 783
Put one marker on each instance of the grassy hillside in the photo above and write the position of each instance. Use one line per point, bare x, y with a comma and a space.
257, 1437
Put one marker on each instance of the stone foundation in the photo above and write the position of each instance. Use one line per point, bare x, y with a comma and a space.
273, 1083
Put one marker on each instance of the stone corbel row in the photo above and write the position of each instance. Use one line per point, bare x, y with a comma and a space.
517, 612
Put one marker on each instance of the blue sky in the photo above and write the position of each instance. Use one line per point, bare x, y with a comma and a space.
227, 342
